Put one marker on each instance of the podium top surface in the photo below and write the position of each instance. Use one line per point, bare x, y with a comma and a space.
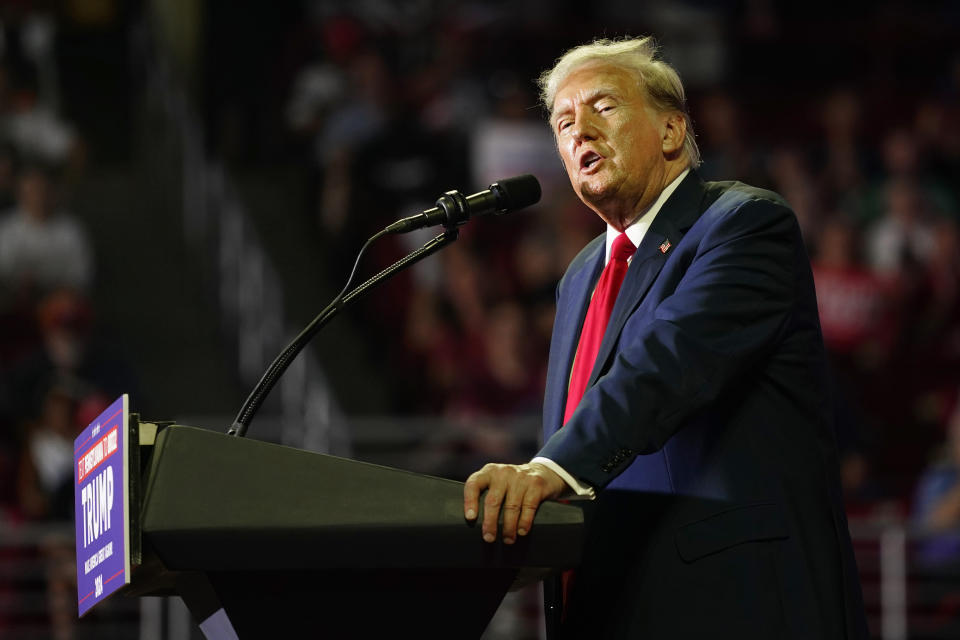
217, 502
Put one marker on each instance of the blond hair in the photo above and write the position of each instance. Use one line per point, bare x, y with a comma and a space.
659, 81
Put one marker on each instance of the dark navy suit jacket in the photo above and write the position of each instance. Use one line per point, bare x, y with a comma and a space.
707, 430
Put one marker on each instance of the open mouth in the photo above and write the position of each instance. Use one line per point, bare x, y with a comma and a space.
589, 159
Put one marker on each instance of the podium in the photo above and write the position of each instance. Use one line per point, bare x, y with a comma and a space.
263, 540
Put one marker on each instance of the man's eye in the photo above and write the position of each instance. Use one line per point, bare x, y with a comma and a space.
564, 125
606, 108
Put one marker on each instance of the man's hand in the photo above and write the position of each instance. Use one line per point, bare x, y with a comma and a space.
519, 488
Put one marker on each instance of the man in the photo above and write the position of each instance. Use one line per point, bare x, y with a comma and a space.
686, 389
42, 249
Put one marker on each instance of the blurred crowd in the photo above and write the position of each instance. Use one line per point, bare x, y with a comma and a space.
49, 383
53, 381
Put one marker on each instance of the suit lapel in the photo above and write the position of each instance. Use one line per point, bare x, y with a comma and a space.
572, 308
678, 214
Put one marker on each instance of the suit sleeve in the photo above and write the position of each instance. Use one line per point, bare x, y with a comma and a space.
726, 315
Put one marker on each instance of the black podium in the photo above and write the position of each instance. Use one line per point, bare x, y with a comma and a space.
273, 541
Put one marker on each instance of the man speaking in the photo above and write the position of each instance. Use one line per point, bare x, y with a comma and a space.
686, 392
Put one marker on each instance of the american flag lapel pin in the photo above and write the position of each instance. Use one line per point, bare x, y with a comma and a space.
665, 246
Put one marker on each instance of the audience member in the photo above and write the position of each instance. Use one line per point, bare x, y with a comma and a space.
936, 504
787, 168
730, 155
503, 378
856, 312
843, 159
902, 239
67, 357
42, 247
38, 133
45, 482
936, 515
935, 330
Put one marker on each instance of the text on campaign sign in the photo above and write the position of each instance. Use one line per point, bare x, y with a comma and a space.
96, 454
101, 501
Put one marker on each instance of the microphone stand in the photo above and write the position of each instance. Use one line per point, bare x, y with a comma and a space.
282, 361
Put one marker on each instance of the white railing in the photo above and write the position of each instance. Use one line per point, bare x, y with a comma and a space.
893, 583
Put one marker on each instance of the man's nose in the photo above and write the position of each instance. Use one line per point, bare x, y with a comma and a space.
584, 129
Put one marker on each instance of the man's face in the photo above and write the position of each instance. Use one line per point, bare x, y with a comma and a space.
610, 140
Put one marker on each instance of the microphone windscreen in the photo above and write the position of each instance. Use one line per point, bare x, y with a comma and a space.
517, 192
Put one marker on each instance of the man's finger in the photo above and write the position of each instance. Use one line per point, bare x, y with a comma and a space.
512, 504
476, 483
491, 512
531, 502
527, 501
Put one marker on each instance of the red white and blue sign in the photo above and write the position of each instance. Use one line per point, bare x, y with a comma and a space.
100, 474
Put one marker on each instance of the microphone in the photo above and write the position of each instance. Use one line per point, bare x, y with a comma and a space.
453, 209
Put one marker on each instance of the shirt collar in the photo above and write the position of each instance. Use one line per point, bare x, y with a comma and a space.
638, 228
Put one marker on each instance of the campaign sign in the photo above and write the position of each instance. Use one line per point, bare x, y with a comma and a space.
100, 474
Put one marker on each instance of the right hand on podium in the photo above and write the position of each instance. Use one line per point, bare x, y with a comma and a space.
519, 488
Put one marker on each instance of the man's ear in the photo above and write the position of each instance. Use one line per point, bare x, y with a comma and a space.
674, 133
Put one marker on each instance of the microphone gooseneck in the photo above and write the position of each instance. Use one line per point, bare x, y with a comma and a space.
452, 210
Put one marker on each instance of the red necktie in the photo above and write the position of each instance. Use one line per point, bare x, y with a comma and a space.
595, 324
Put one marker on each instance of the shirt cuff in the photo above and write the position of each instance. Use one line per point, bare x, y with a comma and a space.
580, 491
